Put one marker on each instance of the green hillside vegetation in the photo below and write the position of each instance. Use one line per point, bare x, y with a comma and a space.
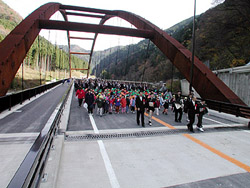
42, 54
222, 39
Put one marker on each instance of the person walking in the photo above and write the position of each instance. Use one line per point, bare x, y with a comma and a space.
151, 108
202, 110
89, 99
127, 104
165, 105
140, 103
192, 110
178, 105
80, 95
157, 106
100, 104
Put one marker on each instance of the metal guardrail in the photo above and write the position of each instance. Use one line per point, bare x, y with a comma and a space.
234, 109
31, 169
8, 101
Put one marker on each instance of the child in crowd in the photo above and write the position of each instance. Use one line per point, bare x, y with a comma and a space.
117, 105
100, 104
166, 105
157, 106
127, 104
111, 104
132, 104
123, 104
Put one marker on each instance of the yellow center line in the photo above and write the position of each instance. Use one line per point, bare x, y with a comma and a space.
215, 151
161, 122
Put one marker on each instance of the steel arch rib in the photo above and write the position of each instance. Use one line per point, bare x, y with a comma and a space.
205, 81
17, 44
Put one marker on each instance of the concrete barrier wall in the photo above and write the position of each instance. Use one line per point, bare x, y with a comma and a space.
237, 79
185, 88
238, 82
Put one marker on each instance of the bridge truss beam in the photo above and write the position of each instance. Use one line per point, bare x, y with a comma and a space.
15, 46
92, 28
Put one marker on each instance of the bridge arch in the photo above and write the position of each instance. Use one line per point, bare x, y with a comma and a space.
15, 46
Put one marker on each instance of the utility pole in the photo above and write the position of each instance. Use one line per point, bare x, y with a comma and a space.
193, 50
22, 75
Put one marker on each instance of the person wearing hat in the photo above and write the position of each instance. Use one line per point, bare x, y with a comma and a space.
80, 95
157, 106
132, 104
123, 104
117, 104
166, 105
202, 110
100, 103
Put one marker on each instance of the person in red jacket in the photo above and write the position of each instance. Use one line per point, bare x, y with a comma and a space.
123, 104
80, 95
111, 104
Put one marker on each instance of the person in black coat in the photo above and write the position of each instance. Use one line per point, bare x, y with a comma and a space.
202, 110
90, 99
178, 107
192, 110
140, 103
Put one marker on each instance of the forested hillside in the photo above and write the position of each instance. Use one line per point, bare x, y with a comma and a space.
222, 39
42, 55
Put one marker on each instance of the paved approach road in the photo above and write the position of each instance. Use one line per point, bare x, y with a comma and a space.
219, 157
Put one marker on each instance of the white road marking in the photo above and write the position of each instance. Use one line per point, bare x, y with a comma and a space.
96, 131
111, 173
214, 121
247, 131
229, 125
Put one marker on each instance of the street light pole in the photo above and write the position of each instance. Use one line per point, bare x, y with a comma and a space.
193, 50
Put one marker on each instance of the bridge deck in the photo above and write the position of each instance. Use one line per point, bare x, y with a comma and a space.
125, 155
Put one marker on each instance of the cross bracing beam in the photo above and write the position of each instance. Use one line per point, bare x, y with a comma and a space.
80, 53
85, 15
92, 28
82, 38
87, 9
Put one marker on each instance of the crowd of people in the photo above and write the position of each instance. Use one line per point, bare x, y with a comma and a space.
109, 97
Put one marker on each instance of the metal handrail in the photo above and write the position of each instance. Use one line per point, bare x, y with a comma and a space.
8, 101
30, 171
234, 109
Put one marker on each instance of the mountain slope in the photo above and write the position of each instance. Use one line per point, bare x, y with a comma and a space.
8, 19
222, 39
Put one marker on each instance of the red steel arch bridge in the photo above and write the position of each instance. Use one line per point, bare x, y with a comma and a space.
16, 45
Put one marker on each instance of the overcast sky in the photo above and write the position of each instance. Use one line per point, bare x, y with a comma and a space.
162, 13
